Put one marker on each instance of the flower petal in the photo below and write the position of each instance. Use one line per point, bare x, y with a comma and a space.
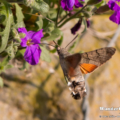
115, 17
117, 0
32, 54
78, 4
113, 6
30, 34
76, 27
70, 3
23, 40
37, 37
67, 4
22, 30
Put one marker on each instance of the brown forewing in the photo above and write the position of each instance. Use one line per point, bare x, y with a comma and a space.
74, 65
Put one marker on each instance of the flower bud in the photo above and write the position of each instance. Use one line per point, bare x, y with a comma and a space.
22, 35
102, 9
87, 14
76, 27
14, 32
93, 2
88, 8
15, 49
16, 35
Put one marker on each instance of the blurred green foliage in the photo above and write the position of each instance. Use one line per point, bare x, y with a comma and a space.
36, 15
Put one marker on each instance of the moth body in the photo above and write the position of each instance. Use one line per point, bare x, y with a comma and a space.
75, 65
73, 74
62, 54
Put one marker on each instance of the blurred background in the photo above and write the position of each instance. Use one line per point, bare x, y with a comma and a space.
41, 93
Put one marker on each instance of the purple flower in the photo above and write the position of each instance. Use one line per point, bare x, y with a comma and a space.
115, 17
31, 41
76, 27
88, 23
68, 4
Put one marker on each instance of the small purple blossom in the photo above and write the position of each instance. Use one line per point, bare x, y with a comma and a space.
76, 27
115, 17
88, 23
31, 41
68, 4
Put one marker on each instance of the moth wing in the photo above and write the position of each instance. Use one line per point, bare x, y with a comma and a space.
76, 79
93, 59
89, 61
74, 61
87, 68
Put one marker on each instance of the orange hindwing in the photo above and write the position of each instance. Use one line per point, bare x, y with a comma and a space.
87, 68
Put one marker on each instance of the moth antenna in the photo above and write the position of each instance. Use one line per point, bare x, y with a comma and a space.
71, 41
48, 44
56, 43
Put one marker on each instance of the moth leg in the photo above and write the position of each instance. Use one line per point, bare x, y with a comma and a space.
66, 79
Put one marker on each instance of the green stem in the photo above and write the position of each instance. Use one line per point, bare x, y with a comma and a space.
58, 12
62, 18
72, 16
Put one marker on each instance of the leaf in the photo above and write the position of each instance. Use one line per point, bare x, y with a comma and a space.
42, 6
4, 61
45, 55
93, 2
52, 13
20, 16
1, 82
39, 23
2, 18
11, 51
100, 4
4, 64
60, 41
38, 5
6, 32
50, 27
53, 51
54, 34
22, 52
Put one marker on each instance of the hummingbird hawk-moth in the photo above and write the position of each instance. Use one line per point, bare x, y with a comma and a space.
75, 65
